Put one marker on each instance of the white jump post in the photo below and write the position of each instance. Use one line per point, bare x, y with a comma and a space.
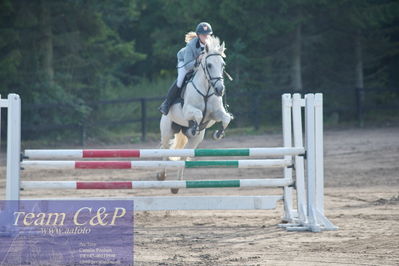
13, 104
286, 105
300, 219
319, 165
309, 212
311, 161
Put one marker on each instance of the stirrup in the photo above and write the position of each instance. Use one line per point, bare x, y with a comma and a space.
164, 108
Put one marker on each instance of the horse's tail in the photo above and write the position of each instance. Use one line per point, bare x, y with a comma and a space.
179, 142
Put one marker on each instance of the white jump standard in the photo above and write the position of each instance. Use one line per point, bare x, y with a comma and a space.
308, 182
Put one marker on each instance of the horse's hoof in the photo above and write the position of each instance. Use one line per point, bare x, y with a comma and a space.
174, 190
192, 129
191, 132
161, 176
218, 134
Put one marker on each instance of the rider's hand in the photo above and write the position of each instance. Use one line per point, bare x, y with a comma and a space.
199, 58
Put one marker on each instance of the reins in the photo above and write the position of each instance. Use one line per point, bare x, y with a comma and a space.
211, 84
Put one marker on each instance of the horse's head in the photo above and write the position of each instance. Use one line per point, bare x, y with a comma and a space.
213, 64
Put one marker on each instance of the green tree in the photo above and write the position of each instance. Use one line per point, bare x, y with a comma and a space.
69, 52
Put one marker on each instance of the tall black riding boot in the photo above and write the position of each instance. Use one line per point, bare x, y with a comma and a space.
173, 93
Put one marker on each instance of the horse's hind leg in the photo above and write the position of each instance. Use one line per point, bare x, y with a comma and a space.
180, 177
191, 144
166, 136
195, 141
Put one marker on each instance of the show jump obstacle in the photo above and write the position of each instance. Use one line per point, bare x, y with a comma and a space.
295, 158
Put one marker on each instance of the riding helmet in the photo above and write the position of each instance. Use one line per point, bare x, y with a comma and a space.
204, 28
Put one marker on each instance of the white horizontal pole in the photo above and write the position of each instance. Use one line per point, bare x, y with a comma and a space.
48, 164
160, 153
264, 163
48, 185
207, 203
4, 103
268, 163
224, 183
195, 202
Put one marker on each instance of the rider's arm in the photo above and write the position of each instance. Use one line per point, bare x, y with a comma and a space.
189, 58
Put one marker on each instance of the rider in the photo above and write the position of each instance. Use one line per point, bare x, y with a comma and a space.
187, 58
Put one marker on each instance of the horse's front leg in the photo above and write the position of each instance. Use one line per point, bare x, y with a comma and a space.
194, 116
221, 116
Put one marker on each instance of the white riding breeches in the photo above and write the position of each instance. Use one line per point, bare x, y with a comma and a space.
181, 73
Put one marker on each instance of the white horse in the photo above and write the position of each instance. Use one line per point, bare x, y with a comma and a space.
203, 105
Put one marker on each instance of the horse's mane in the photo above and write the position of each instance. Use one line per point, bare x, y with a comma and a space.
214, 46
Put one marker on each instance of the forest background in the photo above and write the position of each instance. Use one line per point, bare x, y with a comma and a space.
97, 70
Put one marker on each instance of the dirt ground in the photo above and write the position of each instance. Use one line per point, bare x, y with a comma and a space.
361, 197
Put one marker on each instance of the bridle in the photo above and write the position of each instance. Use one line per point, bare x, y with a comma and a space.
212, 80
212, 83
